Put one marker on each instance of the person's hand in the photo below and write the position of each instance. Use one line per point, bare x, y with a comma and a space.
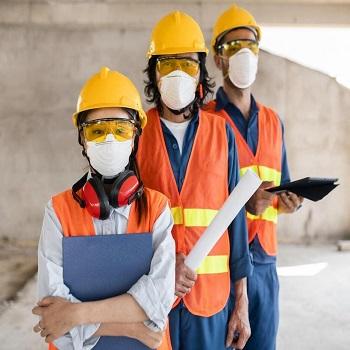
184, 277
261, 199
238, 330
57, 317
289, 202
146, 336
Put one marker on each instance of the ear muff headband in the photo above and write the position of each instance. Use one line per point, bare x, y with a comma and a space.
125, 189
96, 200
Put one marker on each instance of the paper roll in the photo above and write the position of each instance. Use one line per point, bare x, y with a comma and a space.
240, 195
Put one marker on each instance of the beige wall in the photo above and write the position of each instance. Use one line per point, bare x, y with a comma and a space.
48, 49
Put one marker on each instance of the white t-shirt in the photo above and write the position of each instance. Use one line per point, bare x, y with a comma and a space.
178, 130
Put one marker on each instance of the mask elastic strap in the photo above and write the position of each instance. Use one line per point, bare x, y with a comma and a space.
135, 169
180, 111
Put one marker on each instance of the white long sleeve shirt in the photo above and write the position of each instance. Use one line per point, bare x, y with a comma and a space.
153, 292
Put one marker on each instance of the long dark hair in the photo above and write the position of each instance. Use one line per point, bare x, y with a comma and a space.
141, 202
205, 85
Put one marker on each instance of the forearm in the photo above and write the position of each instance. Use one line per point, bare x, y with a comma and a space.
116, 330
241, 295
122, 308
132, 330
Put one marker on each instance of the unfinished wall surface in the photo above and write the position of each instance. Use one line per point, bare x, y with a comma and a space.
49, 48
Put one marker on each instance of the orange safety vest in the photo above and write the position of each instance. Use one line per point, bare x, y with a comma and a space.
267, 164
76, 221
204, 190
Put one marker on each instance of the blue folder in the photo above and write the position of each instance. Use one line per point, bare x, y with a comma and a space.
100, 267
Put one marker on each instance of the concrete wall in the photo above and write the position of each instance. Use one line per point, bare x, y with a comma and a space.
49, 48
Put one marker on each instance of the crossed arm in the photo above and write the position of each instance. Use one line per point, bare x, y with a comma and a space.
118, 316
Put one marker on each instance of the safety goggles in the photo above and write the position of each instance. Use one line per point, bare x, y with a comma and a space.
166, 65
97, 130
230, 48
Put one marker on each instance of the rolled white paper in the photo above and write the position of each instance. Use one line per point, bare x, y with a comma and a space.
240, 195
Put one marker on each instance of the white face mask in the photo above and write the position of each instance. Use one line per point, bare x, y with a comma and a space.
177, 89
110, 157
243, 67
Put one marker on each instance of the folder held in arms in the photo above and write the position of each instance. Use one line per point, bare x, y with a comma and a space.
313, 188
100, 267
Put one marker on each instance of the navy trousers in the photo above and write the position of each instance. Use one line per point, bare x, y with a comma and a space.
263, 290
191, 332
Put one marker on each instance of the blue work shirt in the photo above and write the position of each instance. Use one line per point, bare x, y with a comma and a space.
249, 131
240, 261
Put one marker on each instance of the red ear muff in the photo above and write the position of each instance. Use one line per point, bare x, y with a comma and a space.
125, 189
96, 200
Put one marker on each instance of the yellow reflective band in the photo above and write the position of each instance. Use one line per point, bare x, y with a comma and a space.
254, 168
193, 217
213, 264
199, 217
269, 174
270, 214
177, 215
265, 173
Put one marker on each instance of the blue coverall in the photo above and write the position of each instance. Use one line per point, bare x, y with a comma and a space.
263, 285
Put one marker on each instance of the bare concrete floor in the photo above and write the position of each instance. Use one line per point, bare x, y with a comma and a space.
315, 310
315, 307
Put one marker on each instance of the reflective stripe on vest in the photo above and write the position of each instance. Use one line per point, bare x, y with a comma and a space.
213, 264
270, 214
193, 217
265, 174
201, 218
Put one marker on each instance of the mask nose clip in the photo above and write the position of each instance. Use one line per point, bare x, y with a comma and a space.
110, 137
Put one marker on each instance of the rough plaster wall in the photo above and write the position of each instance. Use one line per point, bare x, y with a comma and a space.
316, 114
49, 48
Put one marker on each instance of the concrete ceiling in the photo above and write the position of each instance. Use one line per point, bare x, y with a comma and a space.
300, 12
324, 13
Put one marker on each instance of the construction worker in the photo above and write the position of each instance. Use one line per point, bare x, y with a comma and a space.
190, 156
259, 135
109, 199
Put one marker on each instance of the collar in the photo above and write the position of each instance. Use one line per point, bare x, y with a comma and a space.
222, 102
124, 211
193, 121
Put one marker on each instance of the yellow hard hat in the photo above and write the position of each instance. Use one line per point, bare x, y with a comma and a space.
109, 89
234, 17
176, 33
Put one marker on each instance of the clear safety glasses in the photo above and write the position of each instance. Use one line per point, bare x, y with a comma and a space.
166, 65
230, 48
97, 130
